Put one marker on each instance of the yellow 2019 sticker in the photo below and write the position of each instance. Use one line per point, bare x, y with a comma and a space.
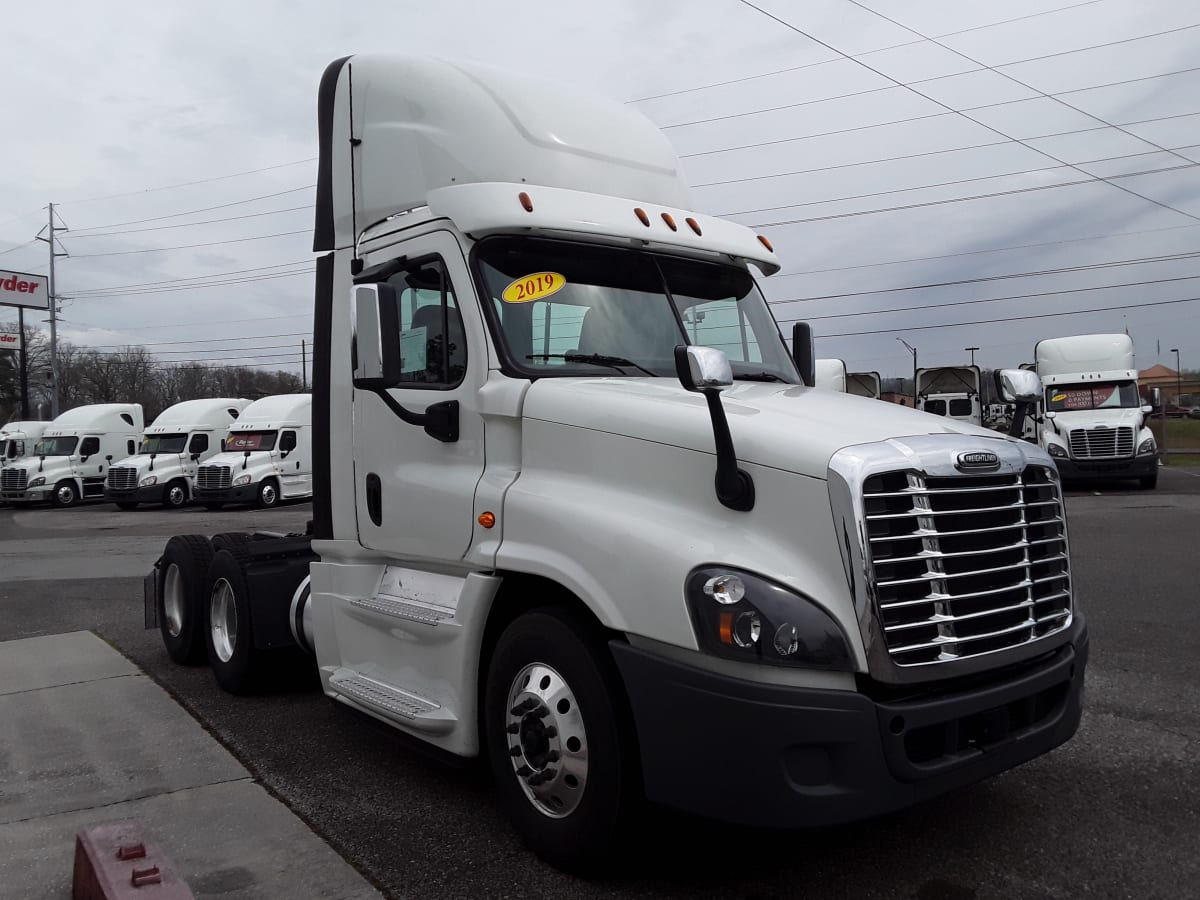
533, 287
1057, 398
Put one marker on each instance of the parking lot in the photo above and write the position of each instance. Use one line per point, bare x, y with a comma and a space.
1114, 813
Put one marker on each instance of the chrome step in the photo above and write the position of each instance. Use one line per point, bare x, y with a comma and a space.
420, 713
405, 609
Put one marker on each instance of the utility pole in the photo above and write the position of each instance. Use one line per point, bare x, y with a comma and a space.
972, 351
913, 351
1178, 376
23, 356
50, 239
303, 366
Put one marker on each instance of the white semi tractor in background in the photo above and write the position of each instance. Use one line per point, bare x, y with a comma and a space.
18, 438
181, 438
864, 384
267, 456
69, 461
951, 391
560, 525
1092, 419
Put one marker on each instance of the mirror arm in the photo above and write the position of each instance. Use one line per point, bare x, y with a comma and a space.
440, 420
735, 487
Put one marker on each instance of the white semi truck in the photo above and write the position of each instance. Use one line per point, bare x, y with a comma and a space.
164, 469
17, 439
69, 461
1092, 419
864, 384
557, 528
951, 391
267, 456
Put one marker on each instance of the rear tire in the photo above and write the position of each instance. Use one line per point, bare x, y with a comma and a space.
229, 636
183, 595
578, 817
175, 495
227, 540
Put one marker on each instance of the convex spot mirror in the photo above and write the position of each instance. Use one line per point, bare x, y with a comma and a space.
1018, 385
376, 351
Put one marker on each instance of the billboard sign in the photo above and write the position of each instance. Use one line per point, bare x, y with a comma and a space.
21, 289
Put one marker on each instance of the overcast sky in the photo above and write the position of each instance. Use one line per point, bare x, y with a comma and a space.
774, 129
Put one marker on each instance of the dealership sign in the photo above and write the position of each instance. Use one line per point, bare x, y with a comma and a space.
20, 289
8, 341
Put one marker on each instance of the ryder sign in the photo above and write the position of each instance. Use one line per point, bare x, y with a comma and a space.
19, 289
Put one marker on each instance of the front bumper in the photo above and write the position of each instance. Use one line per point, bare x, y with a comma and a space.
31, 495
769, 755
1125, 467
246, 493
151, 494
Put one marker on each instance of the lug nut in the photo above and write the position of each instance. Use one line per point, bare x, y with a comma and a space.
549, 731
552, 756
515, 750
524, 771
542, 711
514, 728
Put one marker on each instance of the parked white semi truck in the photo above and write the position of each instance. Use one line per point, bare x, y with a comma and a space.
555, 527
17, 439
864, 384
164, 469
951, 391
267, 456
1092, 419
69, 462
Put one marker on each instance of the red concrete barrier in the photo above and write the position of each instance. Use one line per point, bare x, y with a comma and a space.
117, 860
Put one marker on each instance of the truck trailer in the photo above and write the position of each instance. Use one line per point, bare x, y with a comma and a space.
561, 527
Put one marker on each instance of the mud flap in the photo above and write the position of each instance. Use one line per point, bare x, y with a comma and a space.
150, 595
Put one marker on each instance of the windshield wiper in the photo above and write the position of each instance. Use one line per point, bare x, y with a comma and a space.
759, 376
595, 359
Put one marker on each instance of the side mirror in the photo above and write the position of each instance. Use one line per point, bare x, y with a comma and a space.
1147, 409
1155, 396
245, 458
1018, 385
804, 353
195, 457
706, 370
1050, 414
376, 337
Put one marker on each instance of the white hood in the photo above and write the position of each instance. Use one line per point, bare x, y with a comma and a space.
1089, 418
782, 426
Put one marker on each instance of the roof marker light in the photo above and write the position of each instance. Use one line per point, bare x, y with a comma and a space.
762, 240
641, 214
695, 226
525, 201
666, 217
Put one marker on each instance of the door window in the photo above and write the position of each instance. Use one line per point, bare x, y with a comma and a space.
90, 446
199, 443
287, 442
433, 346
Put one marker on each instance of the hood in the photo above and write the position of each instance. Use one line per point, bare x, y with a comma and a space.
235, 460
782, 426
1088, 418
141, 462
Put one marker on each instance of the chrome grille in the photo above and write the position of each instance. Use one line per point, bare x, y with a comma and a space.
213, 477
13, 479
1101, 443
966, 565
122, 478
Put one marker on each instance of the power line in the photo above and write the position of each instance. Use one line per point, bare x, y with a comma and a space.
249, 279
1111, 264
190, 324
825, 62
1026, 85
272, 212
256, 337
977, 121
1006, 193
18, 246
189, 212
1074, 312
259, 237
118, 287
168, 187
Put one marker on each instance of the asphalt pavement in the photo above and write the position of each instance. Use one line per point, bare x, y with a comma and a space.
1113, 813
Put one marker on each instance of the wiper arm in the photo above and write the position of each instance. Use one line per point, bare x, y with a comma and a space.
594, 359
759, 376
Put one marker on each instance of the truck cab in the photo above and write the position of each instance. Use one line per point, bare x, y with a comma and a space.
1092, 419
265, 458
951, 391
69, 461
580, 511
864, 384
17, 439
164, 469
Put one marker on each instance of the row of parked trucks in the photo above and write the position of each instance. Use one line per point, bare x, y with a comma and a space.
213, 452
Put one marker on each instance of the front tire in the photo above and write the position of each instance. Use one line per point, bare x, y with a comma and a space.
65, 494
175, 495
229, 634
1150, 482
268, 494
560, 740
183, 593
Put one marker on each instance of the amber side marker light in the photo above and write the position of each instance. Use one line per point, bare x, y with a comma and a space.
525, 201
487, 519
762, 240
641, 214
694, 225
666, 217
725, 627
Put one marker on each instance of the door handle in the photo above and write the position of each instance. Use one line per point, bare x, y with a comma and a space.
375, 499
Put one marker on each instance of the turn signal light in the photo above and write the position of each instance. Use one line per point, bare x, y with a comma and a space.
641, 214
487, 519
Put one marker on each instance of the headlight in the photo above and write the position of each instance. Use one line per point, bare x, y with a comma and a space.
1147, 446
148, 481
240, 480
737, 615
38, 482
1057, 450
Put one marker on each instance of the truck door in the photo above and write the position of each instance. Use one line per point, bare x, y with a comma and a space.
414, 494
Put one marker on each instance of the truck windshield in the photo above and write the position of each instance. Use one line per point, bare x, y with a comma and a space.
56, 446
164, 443
1093, 395
250, 440
566, 308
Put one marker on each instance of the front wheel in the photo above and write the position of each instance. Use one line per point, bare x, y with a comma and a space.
559, 740
175, 495
1149, 482
65, 494
268, 494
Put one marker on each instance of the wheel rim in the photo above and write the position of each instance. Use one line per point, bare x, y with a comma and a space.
175, 495
268, 494
223, 622
547, 740
66, 494
173, 603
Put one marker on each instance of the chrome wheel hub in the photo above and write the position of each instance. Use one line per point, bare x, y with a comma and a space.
547, 740
268, 494
176, 496
222, 619
66, 494
173, 603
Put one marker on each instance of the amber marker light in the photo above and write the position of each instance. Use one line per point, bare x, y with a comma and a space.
525, 201
666, 217
762, 240
726, 628
487, 519
694, 225
641, 214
